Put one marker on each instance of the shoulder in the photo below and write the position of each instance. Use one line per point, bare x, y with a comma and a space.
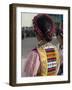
34, 52
33, 55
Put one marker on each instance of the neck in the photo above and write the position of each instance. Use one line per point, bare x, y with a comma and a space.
42, 42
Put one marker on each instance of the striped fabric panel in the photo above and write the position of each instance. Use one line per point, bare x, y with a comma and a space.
51, 73
51, 55
48, 53
51, 63
50, 50
51, 66
51, 69
51, 59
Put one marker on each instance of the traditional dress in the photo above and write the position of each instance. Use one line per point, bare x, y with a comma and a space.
43, 61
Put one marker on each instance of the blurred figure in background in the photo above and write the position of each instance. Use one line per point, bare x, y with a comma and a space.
59, 34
